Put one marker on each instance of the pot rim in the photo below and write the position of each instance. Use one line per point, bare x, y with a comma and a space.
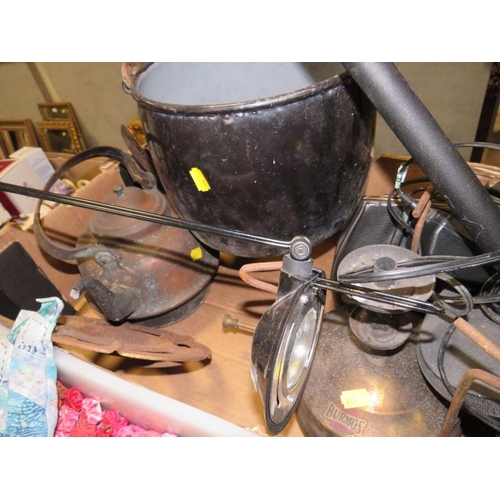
236, 107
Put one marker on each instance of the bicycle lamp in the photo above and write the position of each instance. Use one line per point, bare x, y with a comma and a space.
285, 338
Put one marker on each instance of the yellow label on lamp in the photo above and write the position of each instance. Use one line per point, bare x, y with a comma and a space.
355, 399
196, 253
199, 179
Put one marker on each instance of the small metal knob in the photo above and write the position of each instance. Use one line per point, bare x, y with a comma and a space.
301, 248
118, 190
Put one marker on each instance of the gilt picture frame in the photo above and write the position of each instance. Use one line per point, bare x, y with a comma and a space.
63, 112
60, 137
16, 134
57, 111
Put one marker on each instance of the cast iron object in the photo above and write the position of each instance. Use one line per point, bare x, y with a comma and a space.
292, 164
161, 348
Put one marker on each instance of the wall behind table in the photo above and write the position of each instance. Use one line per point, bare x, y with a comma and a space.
453, 93
94, 89
19, 93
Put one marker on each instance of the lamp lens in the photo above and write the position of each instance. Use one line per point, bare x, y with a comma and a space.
302, 348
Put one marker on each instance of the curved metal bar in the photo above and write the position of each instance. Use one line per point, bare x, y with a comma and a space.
478, 338
254, 267
459, 395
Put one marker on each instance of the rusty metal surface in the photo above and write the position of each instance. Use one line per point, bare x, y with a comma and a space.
420, 212
130, 197
140, 155
255, 267
459, 395
478, 338
168, 266
465, 349
128, 340
135, 269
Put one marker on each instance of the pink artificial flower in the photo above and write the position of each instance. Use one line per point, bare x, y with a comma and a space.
83, 429
146, 433
101, 432
67, 420
74, 398
83, 417
91, 409
137, 431
112, 421
130, 431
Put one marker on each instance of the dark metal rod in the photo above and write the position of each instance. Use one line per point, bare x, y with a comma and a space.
424, 139
140, 215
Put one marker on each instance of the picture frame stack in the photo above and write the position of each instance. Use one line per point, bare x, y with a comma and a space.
15, 134
60, 130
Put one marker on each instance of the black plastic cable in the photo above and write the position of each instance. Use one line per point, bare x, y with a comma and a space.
467, 300
420, 267
490, 289
408, 199
380, 296
478, 300
484, 145
395, 217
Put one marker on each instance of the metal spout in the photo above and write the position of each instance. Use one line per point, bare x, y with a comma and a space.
116, 305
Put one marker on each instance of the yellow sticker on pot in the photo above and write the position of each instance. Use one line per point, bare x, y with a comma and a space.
199, 179
196, 253
355, 399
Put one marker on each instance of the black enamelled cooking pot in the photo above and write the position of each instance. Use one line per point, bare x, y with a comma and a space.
256, 147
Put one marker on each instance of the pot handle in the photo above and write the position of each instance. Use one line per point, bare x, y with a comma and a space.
141, 156
129, 70
62, 252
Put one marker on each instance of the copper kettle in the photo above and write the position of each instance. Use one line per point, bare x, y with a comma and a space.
135, 270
